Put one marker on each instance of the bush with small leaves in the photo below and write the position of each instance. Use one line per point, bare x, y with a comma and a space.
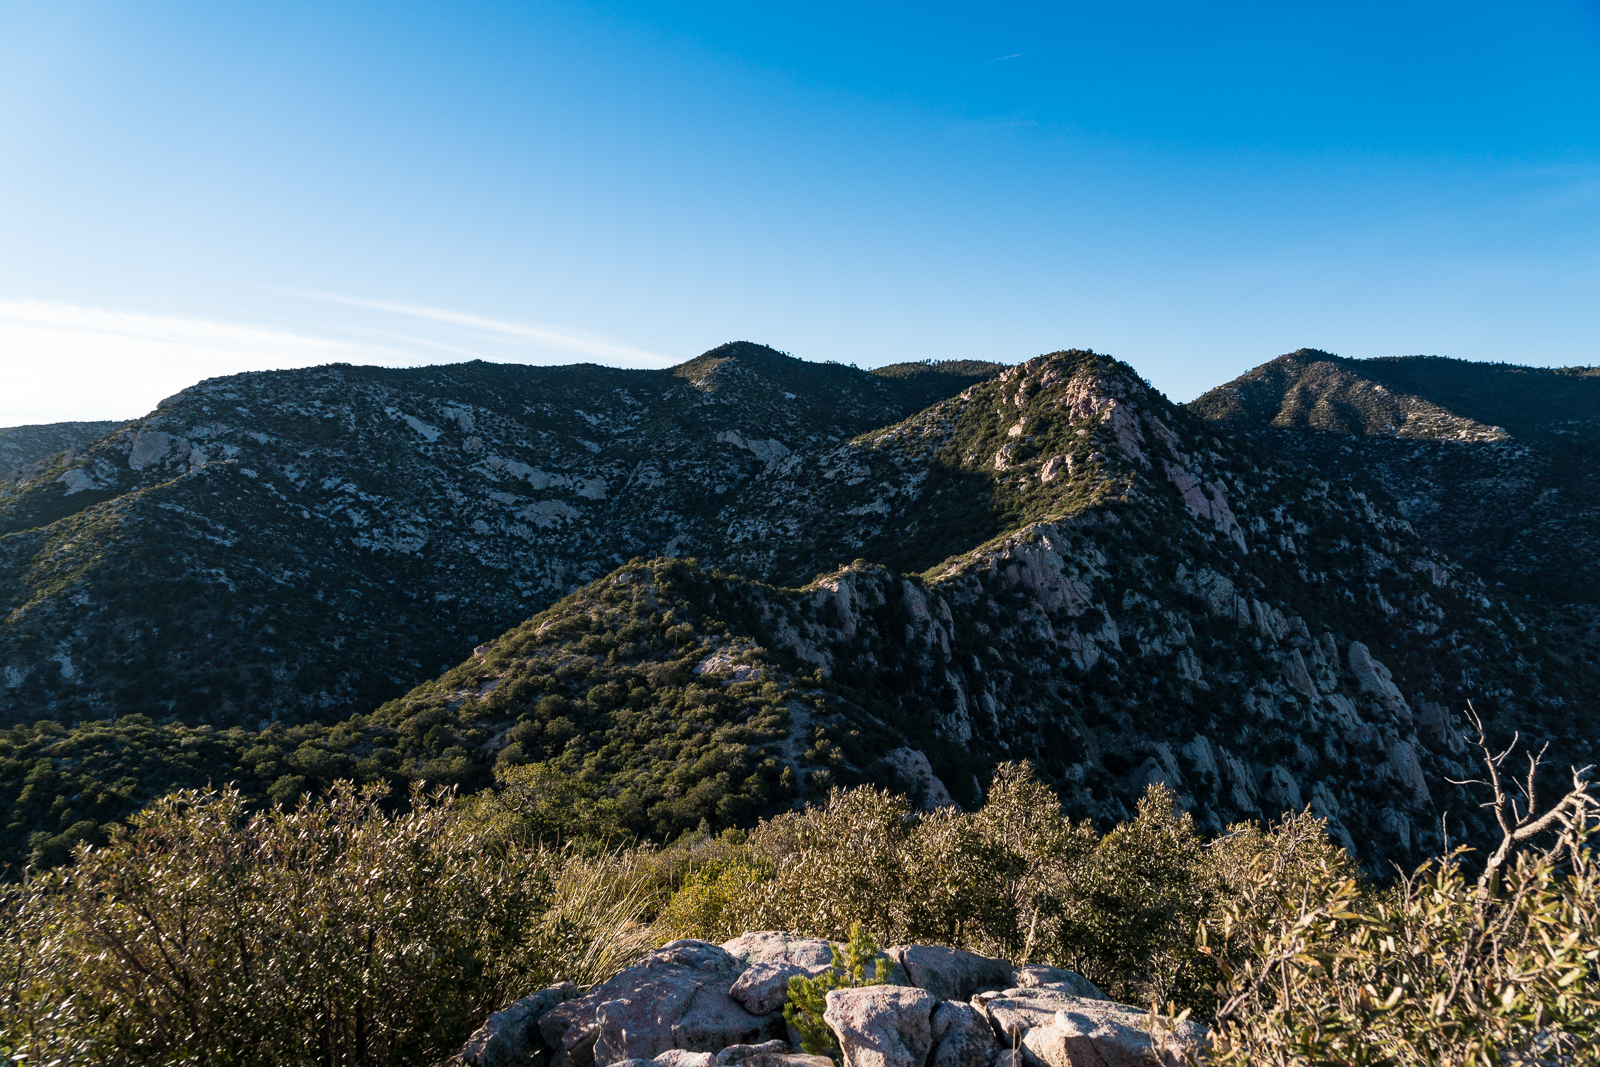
335, 932
1439, 969
858, 963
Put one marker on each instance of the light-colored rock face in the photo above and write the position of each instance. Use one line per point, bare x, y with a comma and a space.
731, 661
913, 765
1058, 979
882, 1026
951, 973
149, 448
677, 1057
1374, 679
1060, 1030
675, 998
765, 986
1097, 1034
1055, 467
670, 1002
962, 1037
813, 955
1439, 729
1407, 770
744, 1053
1205, 501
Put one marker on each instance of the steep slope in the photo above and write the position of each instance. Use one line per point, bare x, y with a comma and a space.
1496, 464
1055, 563
1159, 604
21, 447
304, 544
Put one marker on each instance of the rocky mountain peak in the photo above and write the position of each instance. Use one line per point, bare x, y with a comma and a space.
708, 593
1497, 465
442, 503
1317, 390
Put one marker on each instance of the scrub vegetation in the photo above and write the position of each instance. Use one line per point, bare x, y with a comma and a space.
340, 931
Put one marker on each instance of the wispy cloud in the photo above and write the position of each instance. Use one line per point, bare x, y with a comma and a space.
419, 342
562, 338
1007, 59
61, 361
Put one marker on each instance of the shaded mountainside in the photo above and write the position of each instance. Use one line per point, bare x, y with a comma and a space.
304, 544
24, 447
1497, 465
1159, 605
1054, 563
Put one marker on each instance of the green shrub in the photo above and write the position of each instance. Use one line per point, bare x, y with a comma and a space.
858, 963
1015, 879
1440, 968
335, 932
344, 932
705, 906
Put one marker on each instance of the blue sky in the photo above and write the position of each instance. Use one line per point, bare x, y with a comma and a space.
192, 189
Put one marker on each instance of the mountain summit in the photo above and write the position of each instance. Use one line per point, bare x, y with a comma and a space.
1498, 465
702, 595
305, 544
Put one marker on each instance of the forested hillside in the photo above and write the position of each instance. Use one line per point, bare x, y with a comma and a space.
1054, 563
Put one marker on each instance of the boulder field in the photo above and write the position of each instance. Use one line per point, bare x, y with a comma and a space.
696, 1004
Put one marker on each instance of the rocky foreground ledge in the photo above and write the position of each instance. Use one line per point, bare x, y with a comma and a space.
695, 1004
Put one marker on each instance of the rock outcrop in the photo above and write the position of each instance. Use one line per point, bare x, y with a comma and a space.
945, 1008
882, 1026
675, 998
511, 1035
951, 973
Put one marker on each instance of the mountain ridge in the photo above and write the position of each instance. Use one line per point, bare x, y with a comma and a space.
371, 507
1048, 561
1052, 562
1501, 468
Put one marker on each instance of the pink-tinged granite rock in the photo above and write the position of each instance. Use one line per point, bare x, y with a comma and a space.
812, 955
962, 1037
1038, 976
674, 998
677, 1057
739, 1053
1098, 1033
1055, 1029
786, 1059
764, 987
510, 1035
639, 1019
883, 1025
1013, 1012
951, 973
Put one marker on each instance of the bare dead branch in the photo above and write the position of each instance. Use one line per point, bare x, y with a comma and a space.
1519, 824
